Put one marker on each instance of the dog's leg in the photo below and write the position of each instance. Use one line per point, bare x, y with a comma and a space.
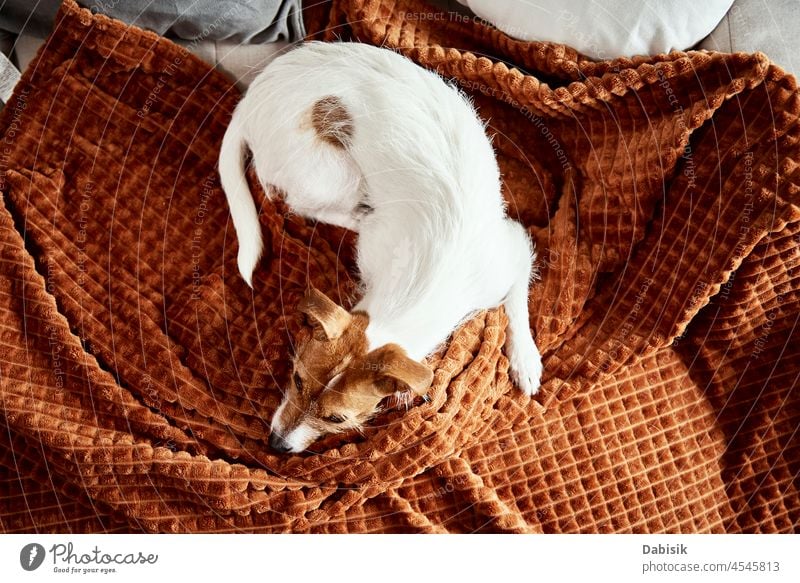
332, 192
336, 217
524, 358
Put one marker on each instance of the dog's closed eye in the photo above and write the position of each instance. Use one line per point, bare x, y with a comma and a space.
298, 382
334, 419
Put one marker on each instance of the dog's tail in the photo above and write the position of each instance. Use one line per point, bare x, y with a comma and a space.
240, 200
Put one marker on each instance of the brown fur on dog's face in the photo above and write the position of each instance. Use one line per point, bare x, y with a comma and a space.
336, 385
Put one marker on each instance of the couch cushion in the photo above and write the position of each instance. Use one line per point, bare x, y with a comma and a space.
757, 25
605, 30
241, 21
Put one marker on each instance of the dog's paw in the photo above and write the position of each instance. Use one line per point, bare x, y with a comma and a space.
526, 369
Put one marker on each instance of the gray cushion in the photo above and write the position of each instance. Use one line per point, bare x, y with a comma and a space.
239, 21
769, 26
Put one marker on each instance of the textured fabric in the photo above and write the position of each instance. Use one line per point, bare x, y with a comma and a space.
139, 372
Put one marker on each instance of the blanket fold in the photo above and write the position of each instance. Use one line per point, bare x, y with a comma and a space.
140, 373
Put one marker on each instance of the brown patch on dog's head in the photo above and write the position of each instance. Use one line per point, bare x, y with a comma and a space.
328, 319
331, 121
336, 385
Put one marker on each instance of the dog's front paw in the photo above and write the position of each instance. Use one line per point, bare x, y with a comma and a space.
526, 369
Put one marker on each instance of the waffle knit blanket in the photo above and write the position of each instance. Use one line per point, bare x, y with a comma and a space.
139, 373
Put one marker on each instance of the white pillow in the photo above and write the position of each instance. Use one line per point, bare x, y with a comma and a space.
607, 29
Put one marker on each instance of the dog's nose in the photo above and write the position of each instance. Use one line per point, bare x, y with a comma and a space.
277, 443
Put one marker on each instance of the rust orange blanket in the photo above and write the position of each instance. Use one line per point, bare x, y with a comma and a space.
139, 373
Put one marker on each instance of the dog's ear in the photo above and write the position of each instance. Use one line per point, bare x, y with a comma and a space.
327, 317
399, 372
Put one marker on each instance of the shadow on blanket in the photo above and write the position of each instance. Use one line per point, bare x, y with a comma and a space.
140, 373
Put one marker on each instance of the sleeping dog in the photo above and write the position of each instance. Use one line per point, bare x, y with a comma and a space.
363, 138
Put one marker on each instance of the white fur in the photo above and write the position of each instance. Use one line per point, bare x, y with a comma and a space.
277, 426
299, 437
438, 245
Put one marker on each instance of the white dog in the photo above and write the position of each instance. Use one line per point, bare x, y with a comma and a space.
361, 137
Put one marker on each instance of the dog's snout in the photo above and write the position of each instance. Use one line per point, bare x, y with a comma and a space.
277, 443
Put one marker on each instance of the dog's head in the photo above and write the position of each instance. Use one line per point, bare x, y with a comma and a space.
336, 384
